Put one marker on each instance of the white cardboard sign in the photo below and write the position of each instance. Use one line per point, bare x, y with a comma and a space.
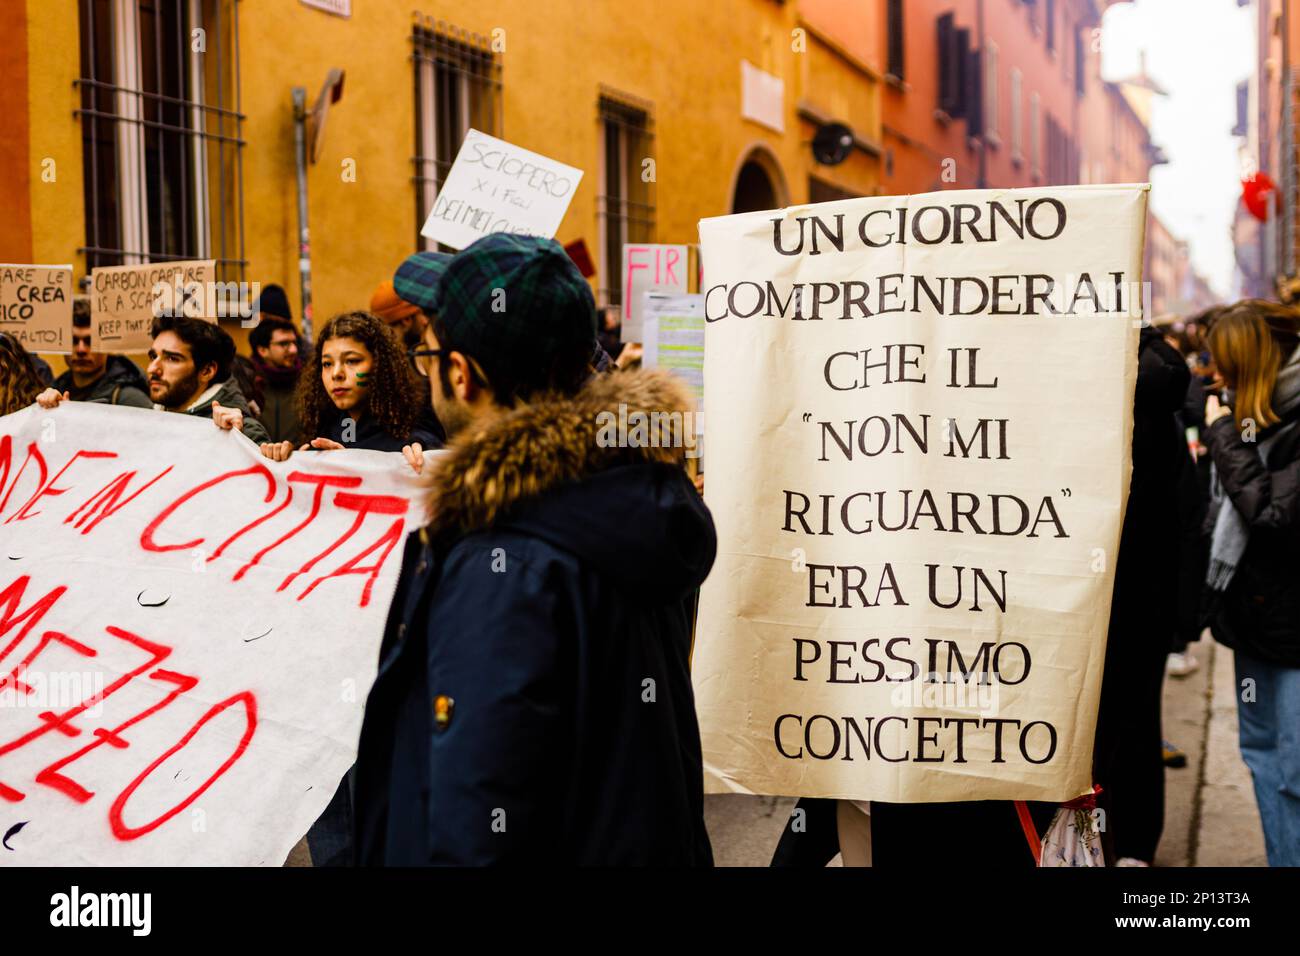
495, 186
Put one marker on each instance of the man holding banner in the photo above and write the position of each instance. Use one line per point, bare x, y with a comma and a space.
190, 365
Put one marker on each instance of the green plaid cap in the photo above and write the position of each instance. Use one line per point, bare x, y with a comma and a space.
416, 279
515, 301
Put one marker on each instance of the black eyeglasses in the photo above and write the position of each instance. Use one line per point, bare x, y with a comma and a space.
420, 358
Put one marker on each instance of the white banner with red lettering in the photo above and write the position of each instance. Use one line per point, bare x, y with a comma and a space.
188, 632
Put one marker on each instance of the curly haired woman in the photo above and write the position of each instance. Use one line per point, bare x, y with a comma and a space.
358, 392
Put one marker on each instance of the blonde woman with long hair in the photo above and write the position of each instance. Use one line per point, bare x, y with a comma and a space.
1254, 575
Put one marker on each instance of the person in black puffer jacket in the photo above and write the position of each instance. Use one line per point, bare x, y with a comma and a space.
1254, 574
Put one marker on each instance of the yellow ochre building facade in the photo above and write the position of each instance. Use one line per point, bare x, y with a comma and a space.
147, 130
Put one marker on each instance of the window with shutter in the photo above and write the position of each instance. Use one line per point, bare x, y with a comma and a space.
895, 39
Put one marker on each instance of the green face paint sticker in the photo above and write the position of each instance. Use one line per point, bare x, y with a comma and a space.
363, 379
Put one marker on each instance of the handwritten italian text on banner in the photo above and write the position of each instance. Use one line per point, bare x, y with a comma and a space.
920, 416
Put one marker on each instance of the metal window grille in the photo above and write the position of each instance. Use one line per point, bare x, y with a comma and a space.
625, 207
457, 87
162, 143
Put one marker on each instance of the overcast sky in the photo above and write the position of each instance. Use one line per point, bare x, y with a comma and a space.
1198, 51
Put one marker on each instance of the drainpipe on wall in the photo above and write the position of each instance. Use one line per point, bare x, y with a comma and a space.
304, 237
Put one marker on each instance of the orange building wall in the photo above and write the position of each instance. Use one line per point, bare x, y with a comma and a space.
920, 141
15, 168
855, 25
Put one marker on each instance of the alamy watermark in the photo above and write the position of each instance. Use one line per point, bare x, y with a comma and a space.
650, 429
198, 300
53, 690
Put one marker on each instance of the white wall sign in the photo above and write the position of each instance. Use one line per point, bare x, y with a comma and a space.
340, 8
762, 97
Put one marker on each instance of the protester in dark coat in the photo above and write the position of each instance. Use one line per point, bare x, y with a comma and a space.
274, 366
190, 365
271, 306
1128, 760
229, 396
1254, 572
122, 383
549, 625
1193, 553
533, 703
43, 370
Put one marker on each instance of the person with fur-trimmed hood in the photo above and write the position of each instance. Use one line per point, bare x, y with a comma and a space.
533, 703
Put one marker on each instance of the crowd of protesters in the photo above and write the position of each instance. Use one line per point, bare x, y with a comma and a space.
1211, 538
559, 575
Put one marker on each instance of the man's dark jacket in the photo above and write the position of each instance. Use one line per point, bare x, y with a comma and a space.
275, 393
547, 614
230, 396
368, 434
121, 384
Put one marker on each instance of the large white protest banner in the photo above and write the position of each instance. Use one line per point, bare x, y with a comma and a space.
919, 456
495, 186
188, 632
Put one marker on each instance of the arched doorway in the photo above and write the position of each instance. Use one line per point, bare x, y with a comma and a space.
759, 184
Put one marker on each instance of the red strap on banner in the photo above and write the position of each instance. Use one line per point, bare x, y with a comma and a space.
1031, 831
1086, 802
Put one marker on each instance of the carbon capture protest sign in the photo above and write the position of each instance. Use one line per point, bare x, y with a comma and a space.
188, 632
920, 419
124, 300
